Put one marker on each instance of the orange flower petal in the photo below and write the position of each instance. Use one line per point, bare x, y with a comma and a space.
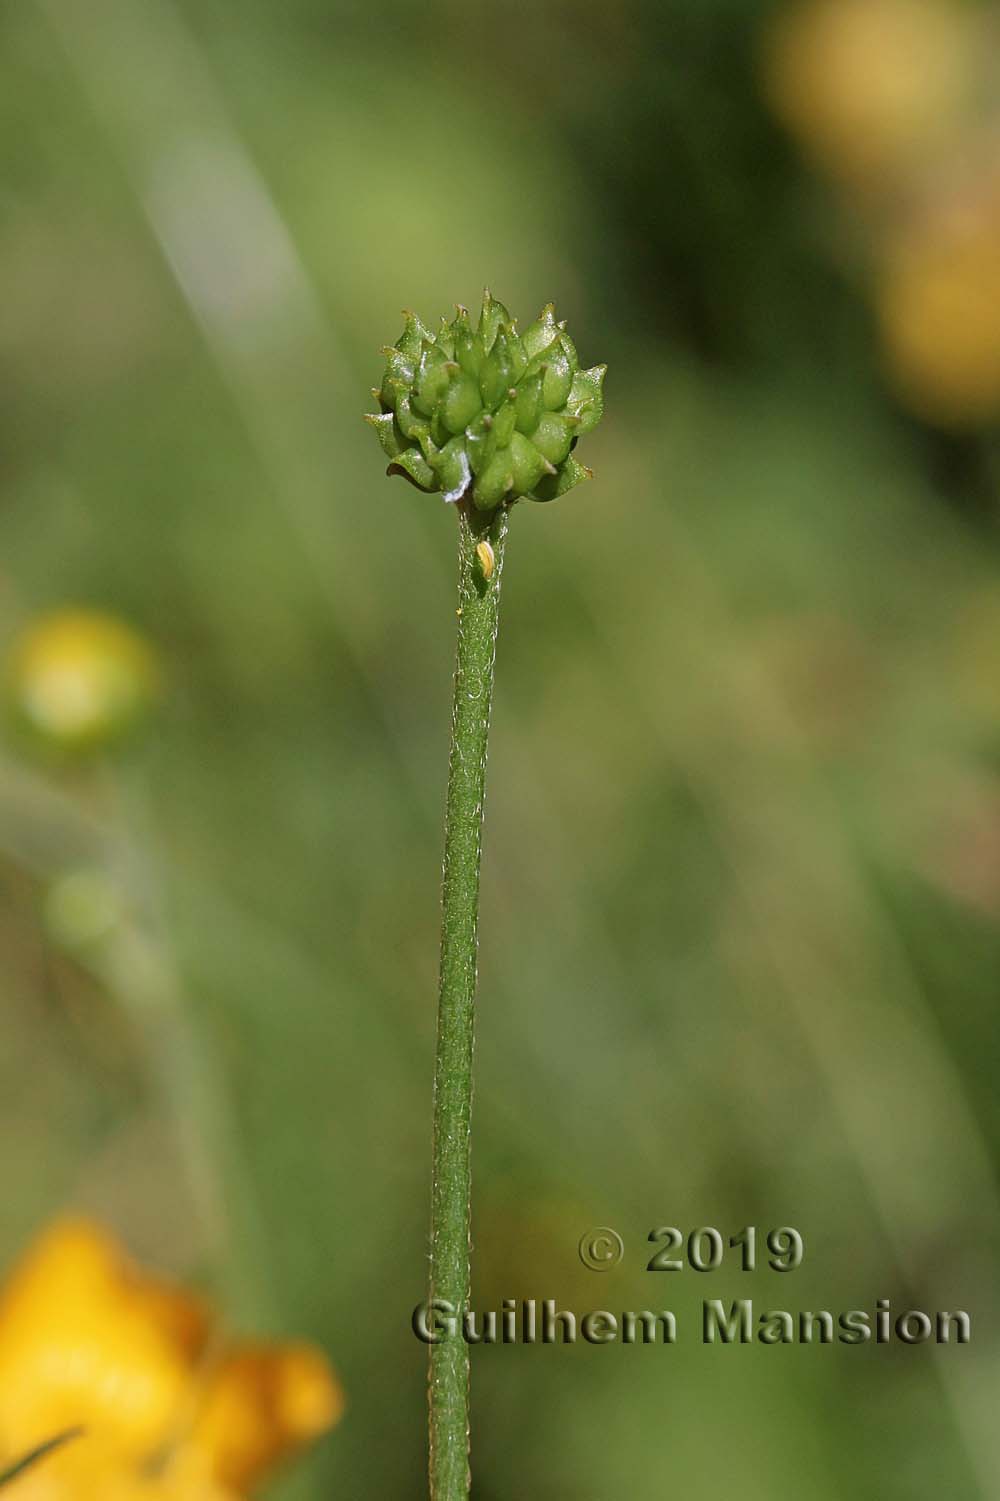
263, 1403
84, 1342
88, 1340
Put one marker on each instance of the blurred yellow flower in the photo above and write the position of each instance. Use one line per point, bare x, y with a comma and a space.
80, 679
88, 1340
939, 308
868, 86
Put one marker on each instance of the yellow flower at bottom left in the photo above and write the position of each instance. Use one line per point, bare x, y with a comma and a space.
90, 1341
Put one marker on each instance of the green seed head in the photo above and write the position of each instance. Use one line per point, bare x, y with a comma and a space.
486, 413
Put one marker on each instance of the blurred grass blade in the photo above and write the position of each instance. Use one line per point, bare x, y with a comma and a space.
41, 1451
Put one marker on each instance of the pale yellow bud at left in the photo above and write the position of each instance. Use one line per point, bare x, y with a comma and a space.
79, 680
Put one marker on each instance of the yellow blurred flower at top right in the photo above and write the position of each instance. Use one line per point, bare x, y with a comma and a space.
869, 86
898, 101
938, 305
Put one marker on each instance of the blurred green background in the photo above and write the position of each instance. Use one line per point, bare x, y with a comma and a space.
741, 910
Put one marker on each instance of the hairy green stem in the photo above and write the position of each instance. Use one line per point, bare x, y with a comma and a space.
478, 615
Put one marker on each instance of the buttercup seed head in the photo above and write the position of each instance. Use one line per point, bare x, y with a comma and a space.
485, 413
